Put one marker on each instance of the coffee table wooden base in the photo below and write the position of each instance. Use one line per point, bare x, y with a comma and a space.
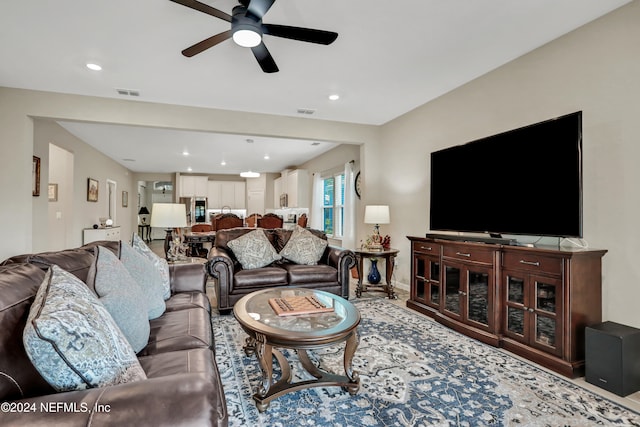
268, 389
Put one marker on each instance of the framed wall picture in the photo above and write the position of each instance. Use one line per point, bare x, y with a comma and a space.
125, 199
53, 192
92, 190
35, 176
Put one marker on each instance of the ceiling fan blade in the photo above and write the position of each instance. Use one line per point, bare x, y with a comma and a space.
264, 58
303, 34
193, 4
259, 7
207, 43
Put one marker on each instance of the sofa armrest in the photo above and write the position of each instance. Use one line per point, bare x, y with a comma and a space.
221, 267
185, 400
187, 277
343, 260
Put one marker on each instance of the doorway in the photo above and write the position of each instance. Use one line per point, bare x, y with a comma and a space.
60, 199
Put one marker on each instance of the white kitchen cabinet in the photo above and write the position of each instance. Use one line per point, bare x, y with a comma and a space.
226, 193
295, 184
193, 186
239, 192
298, 189
95, 234
278, 190
213, 195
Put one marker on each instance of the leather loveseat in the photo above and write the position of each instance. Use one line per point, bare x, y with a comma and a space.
330, 274
182, 386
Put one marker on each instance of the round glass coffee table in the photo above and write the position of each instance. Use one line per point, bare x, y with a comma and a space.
300, 332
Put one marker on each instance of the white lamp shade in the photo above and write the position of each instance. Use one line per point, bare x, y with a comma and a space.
376, 214
168, 215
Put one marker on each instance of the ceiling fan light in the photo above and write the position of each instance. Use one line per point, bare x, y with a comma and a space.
247, 38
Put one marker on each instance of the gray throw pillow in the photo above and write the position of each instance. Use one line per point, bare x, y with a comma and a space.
122, 297
159, 263
253, 250
147, 276
304, 247
73, 341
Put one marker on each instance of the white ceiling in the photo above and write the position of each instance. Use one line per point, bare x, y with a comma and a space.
389, 58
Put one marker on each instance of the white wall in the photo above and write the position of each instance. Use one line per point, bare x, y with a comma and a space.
595, 69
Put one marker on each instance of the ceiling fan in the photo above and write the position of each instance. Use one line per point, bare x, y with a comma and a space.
247, 30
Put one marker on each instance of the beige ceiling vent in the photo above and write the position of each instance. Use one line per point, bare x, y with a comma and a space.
307, 111
128, 92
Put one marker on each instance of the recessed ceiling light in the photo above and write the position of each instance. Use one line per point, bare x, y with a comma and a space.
189, 169
266, 157
185, 153
223, 163
334, 97
94, 67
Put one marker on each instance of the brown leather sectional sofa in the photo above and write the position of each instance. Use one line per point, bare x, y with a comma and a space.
331, 274
182, 386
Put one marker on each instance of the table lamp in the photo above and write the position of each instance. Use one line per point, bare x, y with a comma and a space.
143, 212
376, 214
168, 216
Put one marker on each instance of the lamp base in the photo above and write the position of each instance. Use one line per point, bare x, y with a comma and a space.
167, 241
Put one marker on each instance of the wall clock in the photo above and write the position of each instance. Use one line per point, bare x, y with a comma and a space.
358, 185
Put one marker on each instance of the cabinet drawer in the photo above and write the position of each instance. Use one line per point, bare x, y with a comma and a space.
469, 253
427, 248
532, 262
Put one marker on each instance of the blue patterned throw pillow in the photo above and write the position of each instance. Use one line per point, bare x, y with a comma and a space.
304, 247
122, 297
253, 250
147, 276
73, 341
160, 263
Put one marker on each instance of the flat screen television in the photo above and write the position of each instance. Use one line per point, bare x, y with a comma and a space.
527, 181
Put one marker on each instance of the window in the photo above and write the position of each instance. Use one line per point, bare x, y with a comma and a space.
333, 205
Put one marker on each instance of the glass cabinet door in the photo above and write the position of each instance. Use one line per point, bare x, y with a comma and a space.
452, 291
434, 283
516, 310
427, 280
420, 278
478, 297
546, 311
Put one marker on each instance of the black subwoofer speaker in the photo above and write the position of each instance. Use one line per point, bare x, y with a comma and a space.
612, 357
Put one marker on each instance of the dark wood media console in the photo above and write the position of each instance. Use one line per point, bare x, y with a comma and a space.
535, 302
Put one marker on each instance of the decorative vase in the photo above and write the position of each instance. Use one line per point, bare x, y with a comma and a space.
374, 274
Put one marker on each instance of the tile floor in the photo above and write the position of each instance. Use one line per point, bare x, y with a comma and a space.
632, 401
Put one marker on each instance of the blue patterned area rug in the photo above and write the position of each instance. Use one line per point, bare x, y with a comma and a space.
413, 372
